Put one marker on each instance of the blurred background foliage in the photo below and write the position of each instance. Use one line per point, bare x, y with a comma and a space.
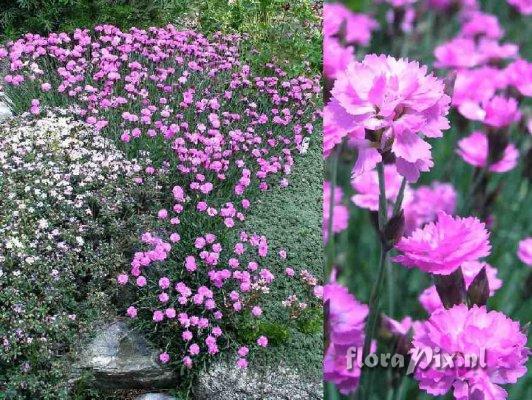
285, 31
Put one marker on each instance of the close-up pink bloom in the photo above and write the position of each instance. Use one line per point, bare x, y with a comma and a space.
399, 103
464, 333
524, 251
345, 328
340, 211
474, 150
441, 247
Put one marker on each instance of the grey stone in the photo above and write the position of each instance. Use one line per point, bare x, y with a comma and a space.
121, 358
155, 396
223, 380
5, 112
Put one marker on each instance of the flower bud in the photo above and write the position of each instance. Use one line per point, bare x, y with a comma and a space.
479, 290
451, 288
393, 231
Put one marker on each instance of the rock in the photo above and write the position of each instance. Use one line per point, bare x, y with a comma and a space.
5, 112
223, 380
155, 396
121, 358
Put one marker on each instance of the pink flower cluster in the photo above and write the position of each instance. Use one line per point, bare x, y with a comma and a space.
220, 134
489, 78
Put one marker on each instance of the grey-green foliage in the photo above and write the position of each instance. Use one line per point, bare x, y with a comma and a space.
291, 219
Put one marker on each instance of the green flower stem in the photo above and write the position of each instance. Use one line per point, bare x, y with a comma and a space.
371, 323
332, 185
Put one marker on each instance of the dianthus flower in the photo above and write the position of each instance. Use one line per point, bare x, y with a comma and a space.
519, 75
345, 328
335, 56
523, 6
464, 52
524, 251
441, 247
357, 26
397, 103
481, 24
474, 150
473, 87
462, 333
340, 211
425, 202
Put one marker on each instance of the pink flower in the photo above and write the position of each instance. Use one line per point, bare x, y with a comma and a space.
397, 103
158, 316
524, 252
164, 357
335, 56
463, 333
340, 211
242, 363
519, 75
458, 53
122, 279
398, 327
141, 281
481, 24
523, 6
338, 125
358, 27
474, 150
441, 247
243, 351
256, 311
425, 203
131, 312
262, 341
187, 362
164, 283
345, 328
289, 272
367, 187
430, 300
501, 112
162, 214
